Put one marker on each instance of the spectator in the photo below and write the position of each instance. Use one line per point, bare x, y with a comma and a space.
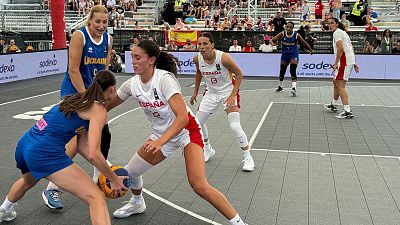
356, 13
82, 7
331, 6
235, 47
319, 8
120, 17
325, 22
135, 42
248, 47
178, 7
292, 6
179, 25
279, 23
386, 41
225, 25
115, 62
112, 17
311, 38
234, 21
271, 23
367, 47
2, 45
172, 46
110, 4
29, 48
267, 47
189, 46
337, 7
371, 27
203, 9
12, 47
137, 27
345, 22
396, 50
373, 15
305, 12
376, 46
216, 18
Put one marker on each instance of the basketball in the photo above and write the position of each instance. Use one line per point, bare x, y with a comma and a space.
104, 183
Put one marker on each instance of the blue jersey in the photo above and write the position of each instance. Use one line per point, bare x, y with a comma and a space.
41, 150
94, 58
289, 44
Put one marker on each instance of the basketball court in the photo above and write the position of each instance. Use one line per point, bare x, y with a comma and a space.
311, 168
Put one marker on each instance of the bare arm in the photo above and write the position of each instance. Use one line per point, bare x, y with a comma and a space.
304, 43
231, 65
197, 81
74, 57
178, 106
276, 37
115, 101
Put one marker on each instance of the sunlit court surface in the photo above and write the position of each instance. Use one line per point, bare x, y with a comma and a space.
311, 168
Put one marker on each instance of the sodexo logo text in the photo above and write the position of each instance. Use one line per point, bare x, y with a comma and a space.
318, 66
4, 68
188, 62
48, 62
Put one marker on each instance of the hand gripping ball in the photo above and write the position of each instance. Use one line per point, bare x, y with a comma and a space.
104, 183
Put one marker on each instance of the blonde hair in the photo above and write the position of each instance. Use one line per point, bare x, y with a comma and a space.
96, 9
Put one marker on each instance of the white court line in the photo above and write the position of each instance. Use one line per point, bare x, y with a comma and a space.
325, 153
319, 103
253, 137
23, 99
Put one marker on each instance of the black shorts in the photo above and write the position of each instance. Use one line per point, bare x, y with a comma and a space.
318, 16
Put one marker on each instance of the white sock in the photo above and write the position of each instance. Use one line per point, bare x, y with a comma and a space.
246, 154
236, 220
96, 174
7, 205
346, 108
280, 83
52, 186
294, 83
334, 102
136, 198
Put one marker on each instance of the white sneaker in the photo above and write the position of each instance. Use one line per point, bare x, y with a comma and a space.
7, 216
248, 165
130, 209
208, 152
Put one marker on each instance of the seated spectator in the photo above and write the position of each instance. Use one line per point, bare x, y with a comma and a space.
110, 4
248, 47
367, 48
386, 41
172, 46
396, 50
325, 23
249, 26
82, 7
3, 47
263, 3
374, 15
267, 47
137, 27
203, 9
120, 17
305, 12
376, 46
292, 6
12, 47
112, 17
216, 18
29, 48
345, 22
235, 47
371, 27
179, 25
311, 38
115, 62
225, 25
189, 46
235, 21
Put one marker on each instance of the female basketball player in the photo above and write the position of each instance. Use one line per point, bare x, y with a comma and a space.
89, 52
290, 55
345, 61
173, 128
218, 68
40, 153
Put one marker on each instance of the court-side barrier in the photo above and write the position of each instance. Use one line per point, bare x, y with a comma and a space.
317, 65
23, 66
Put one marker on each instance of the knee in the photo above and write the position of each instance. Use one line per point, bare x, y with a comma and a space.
199, 186
28, 185
95, 197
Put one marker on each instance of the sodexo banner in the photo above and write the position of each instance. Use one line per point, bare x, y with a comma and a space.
23, 66
317, 65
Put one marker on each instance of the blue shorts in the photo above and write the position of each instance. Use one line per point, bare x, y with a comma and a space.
287, 57
40, 161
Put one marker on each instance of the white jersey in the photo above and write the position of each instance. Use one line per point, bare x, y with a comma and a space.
217, 76
154, 100
340, 35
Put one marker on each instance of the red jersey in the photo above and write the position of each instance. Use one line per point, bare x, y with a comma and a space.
319, 6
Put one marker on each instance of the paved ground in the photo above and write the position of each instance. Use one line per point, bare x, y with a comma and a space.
311, 168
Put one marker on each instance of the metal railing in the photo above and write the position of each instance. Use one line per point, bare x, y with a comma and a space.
40, 45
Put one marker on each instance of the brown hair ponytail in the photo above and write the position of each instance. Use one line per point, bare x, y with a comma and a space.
82, 101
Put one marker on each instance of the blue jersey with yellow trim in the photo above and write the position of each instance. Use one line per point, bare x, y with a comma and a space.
289, 44
54, 130
94, 59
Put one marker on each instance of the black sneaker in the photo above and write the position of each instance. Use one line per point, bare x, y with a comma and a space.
345, 115
279, 89
293, 92
331, 107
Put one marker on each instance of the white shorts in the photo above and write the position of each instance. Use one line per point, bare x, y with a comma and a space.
175, 145
343, 72
212, 100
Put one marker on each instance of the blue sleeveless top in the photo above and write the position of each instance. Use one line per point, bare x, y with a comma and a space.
54, 130
289, 44
94, 59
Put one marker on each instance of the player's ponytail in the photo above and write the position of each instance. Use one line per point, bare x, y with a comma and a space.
164, 60
83, 101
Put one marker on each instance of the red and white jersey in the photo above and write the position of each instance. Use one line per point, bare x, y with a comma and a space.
217, 76
348, 52
153, 99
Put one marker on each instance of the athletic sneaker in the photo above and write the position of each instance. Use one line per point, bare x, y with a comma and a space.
279, 89
248, 165
208, 152
293, 91
130, 209
52, 199
331, 107
7, 216
345, 115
